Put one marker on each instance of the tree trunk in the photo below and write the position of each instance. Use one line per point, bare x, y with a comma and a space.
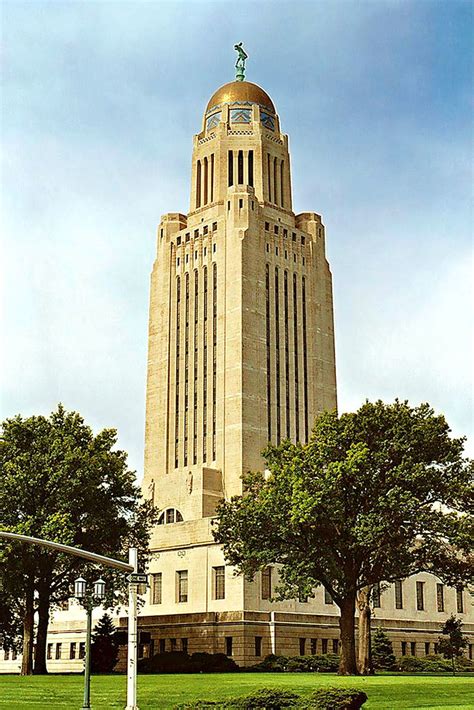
454, 664
348, 663
28, 625
365, 641
42, 631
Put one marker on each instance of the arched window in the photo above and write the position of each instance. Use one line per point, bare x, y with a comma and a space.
170, 515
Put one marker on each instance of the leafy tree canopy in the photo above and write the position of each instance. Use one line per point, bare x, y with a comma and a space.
60, 482
378, 494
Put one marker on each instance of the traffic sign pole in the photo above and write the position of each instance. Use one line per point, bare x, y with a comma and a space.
132, 633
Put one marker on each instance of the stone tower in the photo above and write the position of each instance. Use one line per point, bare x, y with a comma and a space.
241, 349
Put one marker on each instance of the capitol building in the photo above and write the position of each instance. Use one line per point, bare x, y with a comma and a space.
241, 353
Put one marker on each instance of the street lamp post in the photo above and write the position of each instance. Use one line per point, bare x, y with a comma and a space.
80, 588
134, 581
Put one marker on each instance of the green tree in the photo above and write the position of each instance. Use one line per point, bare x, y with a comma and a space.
375, 495
60, 482
105, 646
382, 650
452, 643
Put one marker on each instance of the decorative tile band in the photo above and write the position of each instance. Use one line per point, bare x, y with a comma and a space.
267, 120
240, 115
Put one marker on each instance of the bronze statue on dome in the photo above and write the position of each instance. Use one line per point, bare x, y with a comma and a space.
240, 63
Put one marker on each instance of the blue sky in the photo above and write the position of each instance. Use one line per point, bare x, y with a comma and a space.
100, 101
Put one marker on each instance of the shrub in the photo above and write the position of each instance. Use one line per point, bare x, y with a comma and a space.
271, 663
267, 698
328, 663
212, 663
426, 664
170, 662
180, 662
336, 699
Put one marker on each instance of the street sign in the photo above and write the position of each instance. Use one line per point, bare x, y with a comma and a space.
137, 578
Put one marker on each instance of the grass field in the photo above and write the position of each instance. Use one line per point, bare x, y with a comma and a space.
388, 691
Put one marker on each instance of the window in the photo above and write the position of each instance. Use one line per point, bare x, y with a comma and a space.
420, 596
324, 645
436, 648
267, 226
268, 248
267, 583
459, 600
302, 647
275, 228
170, 515
173, 645
196, 235
214, 226
162, 645
303, 240
58, 651
376, 595
398, 594
314, 646
228, 645
82, 649
72, 650
240, 167
327, 597
230, 180
413, 648
219, 582
184, 645
205, 230
427, 648
241, 204
156, 586
440, 597
404, 648
214, 248
276, 251
182, 584
335, 645
250, 168
258, 645
49, 651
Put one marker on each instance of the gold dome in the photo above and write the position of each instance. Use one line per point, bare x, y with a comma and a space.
241, 92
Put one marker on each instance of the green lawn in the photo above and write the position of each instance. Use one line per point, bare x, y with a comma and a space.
388, 691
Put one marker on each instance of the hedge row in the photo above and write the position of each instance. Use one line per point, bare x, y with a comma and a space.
274, 699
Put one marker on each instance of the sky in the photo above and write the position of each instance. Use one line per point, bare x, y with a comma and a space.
99, 104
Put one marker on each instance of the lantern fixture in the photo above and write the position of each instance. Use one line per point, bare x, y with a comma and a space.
99, 589
80, 588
